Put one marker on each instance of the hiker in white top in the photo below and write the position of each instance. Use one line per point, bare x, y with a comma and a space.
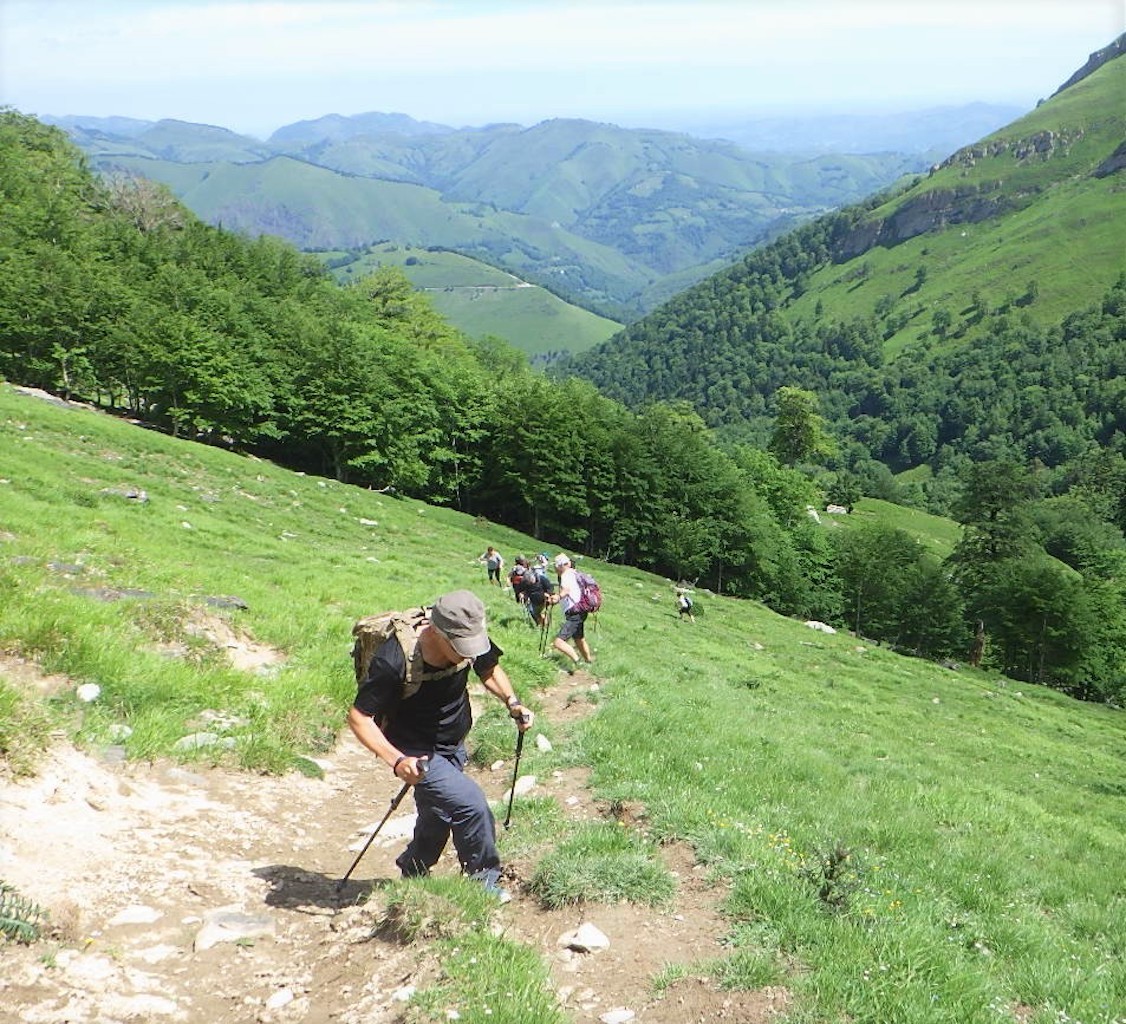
573, 620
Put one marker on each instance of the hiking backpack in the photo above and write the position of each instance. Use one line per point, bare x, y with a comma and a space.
371, 632
590, 593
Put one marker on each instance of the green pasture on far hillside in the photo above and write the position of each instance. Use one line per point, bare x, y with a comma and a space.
482, 300
893, 842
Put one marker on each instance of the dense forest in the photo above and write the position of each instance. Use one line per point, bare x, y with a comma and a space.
969, 314
113, 293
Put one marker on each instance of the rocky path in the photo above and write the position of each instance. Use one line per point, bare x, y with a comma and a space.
210, 896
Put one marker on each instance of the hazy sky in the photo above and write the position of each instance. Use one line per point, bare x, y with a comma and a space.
254, 65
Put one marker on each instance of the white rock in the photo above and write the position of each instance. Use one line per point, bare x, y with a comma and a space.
821, 627
88, 692
543, 743
137, 1007
402, 995
135, 914
524, 785
585, 939
229, 925
282, 997
395, 829
617, 1016
496, 766
91, 972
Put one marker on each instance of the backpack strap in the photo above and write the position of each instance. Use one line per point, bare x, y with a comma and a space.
407, 629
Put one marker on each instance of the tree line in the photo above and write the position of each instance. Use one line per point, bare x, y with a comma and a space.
114, 293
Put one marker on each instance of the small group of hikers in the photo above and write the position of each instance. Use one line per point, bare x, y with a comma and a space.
412, 711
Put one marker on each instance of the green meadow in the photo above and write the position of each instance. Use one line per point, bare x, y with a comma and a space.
481, 300
896, 842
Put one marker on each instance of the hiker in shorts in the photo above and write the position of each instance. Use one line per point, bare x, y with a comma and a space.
574, 621
421, 738
494, 563
684, 604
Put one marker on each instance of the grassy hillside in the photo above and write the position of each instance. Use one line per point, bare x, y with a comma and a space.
482, 300
1026, 204
897, 842
937, 534
600, 212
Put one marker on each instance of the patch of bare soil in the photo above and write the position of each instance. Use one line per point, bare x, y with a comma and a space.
151, 872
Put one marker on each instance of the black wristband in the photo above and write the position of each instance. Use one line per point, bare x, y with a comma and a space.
512, 700
398, 761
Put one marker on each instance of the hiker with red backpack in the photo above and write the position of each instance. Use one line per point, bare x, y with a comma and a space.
412, 711
579, 596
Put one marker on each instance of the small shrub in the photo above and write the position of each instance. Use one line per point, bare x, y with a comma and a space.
21, 920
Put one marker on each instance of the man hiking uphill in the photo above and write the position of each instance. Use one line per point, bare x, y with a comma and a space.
574, 620
421, 737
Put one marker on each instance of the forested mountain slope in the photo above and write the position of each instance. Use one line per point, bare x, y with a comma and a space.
598, 213
966, 315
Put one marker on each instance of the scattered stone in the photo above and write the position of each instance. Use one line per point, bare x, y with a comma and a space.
524, 785
617, 1016
88, 692
201, 740
584, 939
543, 743
496, 766
283, 997
128, 493
227, 925
119, 732
66, 568
135, 914
403, 995
821, 627
226, 601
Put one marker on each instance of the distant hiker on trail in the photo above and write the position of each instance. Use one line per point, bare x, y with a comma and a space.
421, 737
494, 563
574, 620
684, 604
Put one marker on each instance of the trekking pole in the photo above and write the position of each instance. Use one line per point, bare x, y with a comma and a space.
395, 801
515, 769
545, 629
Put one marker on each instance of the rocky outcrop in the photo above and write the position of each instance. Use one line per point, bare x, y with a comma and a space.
1096, 61
932, 211
1113, 163
937, 209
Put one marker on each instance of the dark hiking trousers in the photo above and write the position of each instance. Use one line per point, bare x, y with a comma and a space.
448, 802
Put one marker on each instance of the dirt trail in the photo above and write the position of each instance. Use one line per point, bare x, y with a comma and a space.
130, 859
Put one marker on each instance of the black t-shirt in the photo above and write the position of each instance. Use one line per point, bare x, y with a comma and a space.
436, 718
